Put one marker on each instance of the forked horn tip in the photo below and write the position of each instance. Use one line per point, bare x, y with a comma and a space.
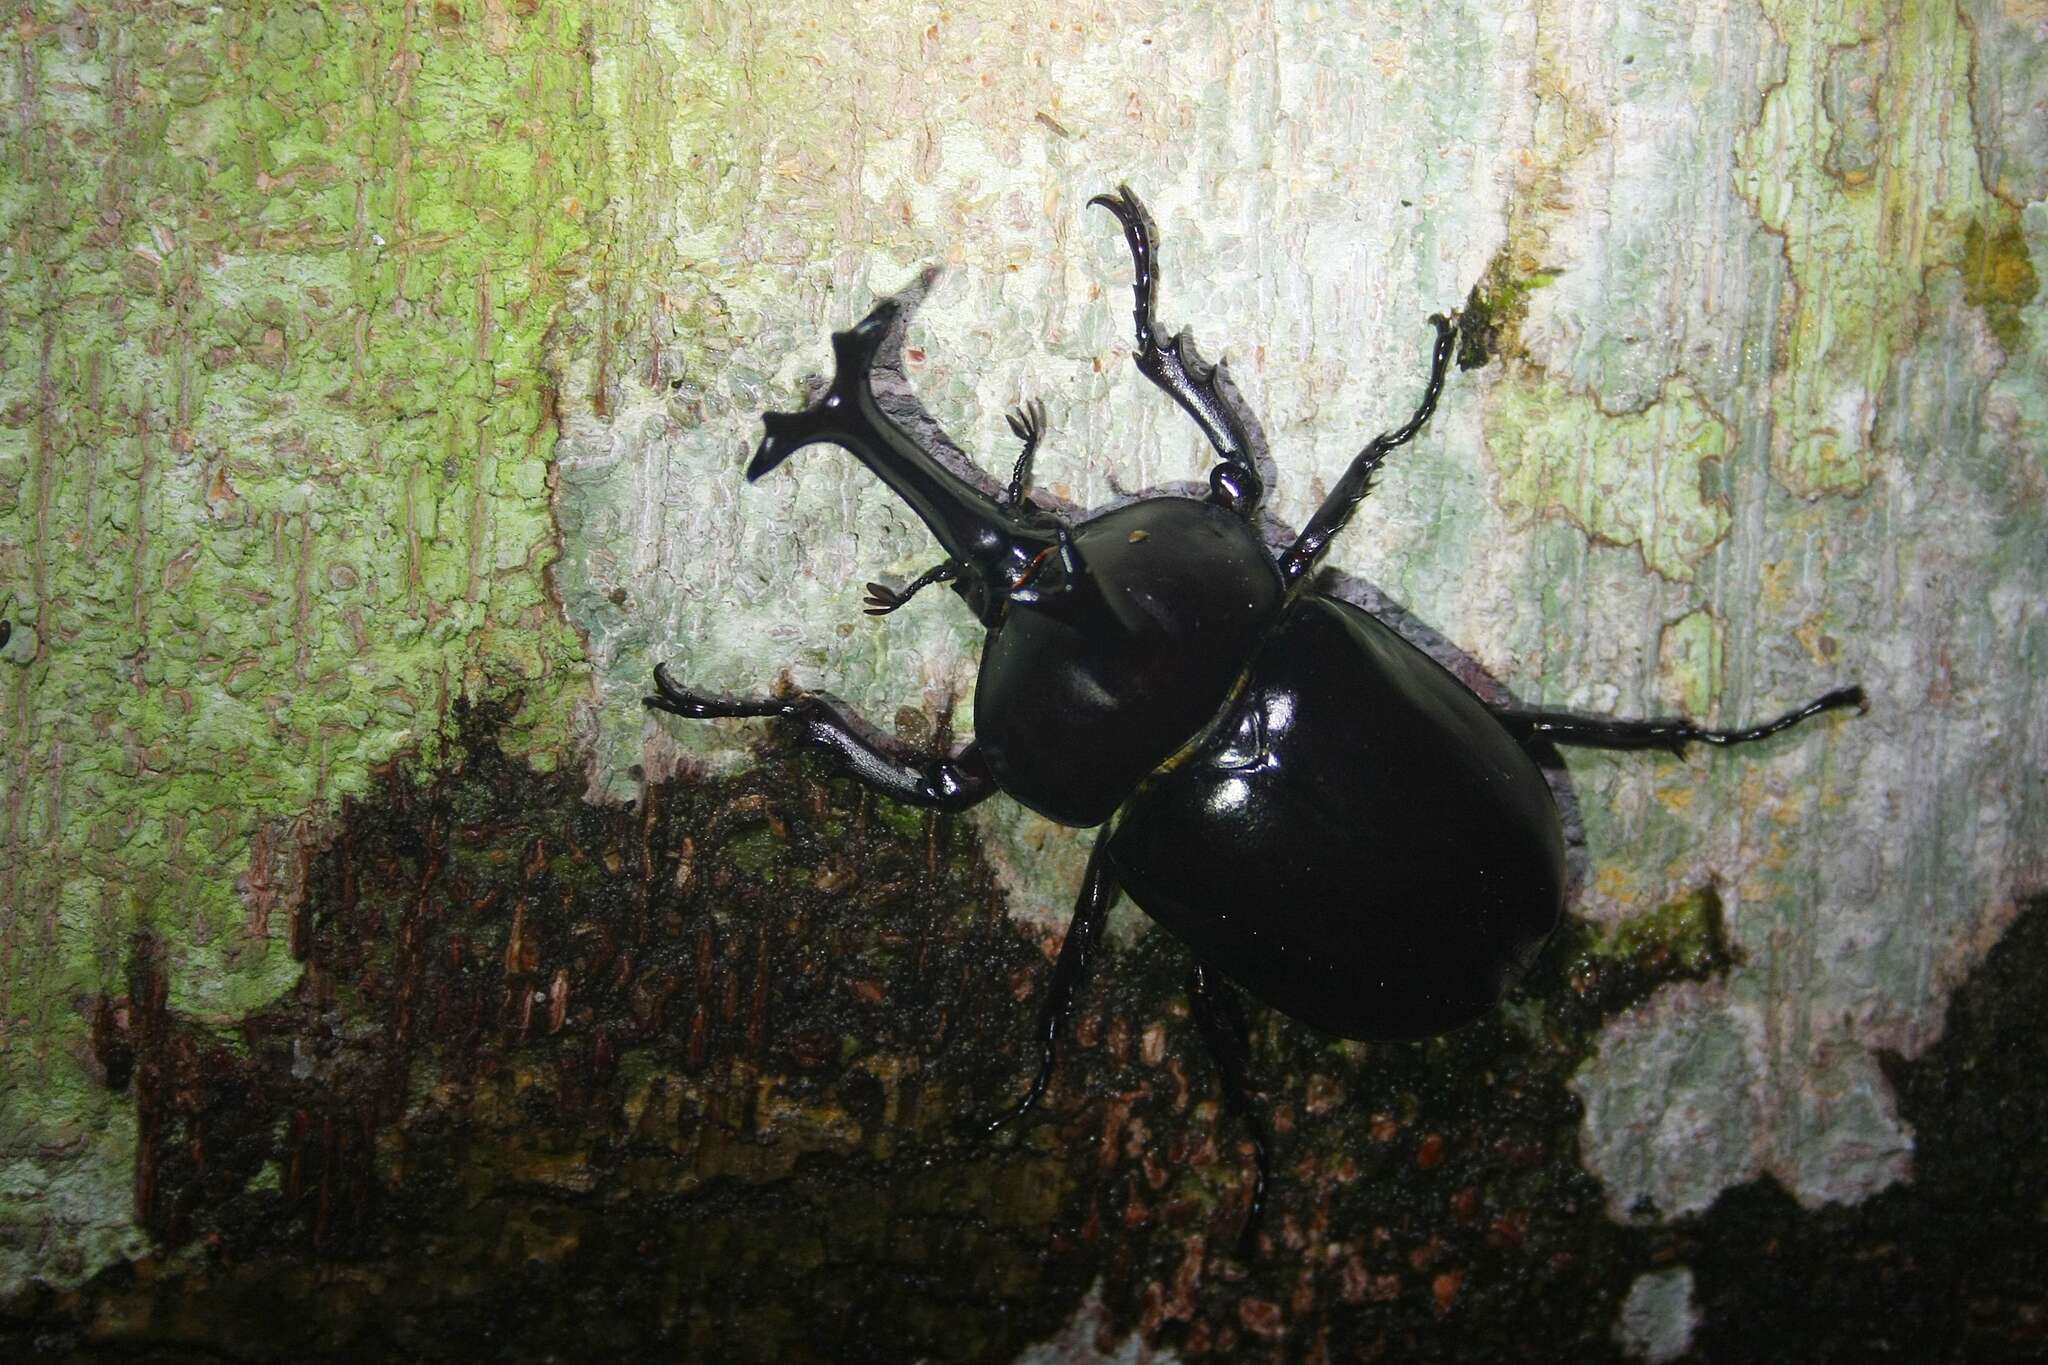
786, 433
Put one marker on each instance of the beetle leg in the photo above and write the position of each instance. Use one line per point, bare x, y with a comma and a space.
1671, 734
1351, 489
951, 783
882, 599
1174, 367
1084, 931
1221, 1019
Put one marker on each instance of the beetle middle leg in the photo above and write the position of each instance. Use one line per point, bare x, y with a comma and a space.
1351, 489
1220, 1018
1670, 734
1171, 365
1084, 931
949, 783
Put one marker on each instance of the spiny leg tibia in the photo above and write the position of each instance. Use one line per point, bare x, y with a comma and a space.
1235, 483
948, 783
1351, 489
1670, 734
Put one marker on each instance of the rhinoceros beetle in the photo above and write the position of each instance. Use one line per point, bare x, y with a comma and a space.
1316, 808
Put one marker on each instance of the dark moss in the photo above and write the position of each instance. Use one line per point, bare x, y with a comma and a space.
1493, 312
1998, 274
697, 1078
1951, 1267
559, 1079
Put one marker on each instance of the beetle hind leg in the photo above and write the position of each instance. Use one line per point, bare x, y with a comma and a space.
1220, 1018
1670, 734
1084, 931
1172, 364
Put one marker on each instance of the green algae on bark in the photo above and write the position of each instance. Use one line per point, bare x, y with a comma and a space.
1861, 166
1635, 479
1998, 276
275, 454
1493, 312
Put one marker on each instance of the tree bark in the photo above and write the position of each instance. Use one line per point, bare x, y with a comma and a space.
361, 359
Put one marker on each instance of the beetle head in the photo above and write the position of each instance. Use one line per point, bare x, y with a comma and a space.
999, 552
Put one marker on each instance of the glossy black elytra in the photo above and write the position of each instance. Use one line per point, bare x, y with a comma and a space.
1316, 808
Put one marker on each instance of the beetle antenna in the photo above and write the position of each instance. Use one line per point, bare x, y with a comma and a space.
1028, 422
882, 599
1074, 576
990, 543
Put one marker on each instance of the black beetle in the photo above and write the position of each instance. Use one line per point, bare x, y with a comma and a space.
1316, 808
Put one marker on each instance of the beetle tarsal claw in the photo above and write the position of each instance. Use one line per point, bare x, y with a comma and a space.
679, 700
1122, 203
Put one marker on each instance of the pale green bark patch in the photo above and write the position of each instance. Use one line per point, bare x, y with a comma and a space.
1629, 479
273, 490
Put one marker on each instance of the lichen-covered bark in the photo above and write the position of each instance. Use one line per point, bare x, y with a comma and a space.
362, 357
274, 481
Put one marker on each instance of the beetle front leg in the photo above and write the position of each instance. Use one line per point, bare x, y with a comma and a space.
1084, 931
1670, 734
1220, 1018
825, 723
1171, 365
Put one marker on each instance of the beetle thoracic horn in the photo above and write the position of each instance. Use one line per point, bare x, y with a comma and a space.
978, 532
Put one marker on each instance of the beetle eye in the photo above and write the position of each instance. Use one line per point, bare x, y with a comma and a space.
972, 591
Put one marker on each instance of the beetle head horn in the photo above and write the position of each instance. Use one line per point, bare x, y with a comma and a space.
836, 415
992, 543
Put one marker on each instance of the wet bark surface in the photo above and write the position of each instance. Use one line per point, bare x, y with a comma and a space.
703, 1077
